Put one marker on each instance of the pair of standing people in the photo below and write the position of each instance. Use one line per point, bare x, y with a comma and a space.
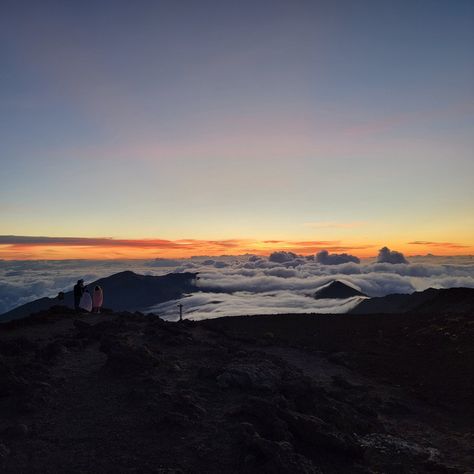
84, 301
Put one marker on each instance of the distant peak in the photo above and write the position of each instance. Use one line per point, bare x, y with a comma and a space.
338, 290
125, 272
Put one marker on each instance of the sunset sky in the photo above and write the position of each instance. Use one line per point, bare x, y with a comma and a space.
169, 129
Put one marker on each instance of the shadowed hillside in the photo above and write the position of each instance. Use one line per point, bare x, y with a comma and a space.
449, 300
124, 291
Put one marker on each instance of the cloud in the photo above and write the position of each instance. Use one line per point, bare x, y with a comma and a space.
303, 282
43, 247
281, 272
213, 305
325, 258
165, 262
14, 247
282, 256
390, 256
21, 240
243, 284
427, 243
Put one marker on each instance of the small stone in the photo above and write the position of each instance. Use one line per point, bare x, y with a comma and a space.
343, 383
175, 419
247, 428
250, 460
26, 408
44, 385
53, 350
207, 373
81, 325
4, 451
16, 431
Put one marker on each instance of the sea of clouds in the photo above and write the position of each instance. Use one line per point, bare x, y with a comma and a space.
248, 284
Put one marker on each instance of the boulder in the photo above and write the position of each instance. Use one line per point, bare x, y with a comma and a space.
265, 415
263, 375
19, 430
390, 454
302, 391
189, 406
124, 357
10, 383
263, 455
321, 436
52, 351
4, 451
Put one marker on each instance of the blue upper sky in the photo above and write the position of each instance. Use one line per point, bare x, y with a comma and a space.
224, 119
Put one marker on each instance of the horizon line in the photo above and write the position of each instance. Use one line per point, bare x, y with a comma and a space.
22, 247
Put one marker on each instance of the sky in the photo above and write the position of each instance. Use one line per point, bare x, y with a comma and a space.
142, 129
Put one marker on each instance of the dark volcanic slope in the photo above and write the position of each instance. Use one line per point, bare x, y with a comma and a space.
124, 291
430, 354
337, 289
449, 300
123, 392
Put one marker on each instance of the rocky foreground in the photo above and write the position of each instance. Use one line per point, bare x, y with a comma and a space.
122, 392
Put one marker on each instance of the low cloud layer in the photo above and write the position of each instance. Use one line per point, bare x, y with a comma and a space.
203, 305
245, 284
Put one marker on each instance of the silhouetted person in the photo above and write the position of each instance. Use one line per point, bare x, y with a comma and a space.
78, 292
86, 301
97, 299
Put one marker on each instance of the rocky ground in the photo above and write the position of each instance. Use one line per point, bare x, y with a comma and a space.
278, 394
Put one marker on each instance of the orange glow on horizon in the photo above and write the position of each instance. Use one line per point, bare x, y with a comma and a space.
46, 248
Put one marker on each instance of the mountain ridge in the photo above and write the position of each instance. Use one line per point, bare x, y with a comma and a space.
123, 291
431, 299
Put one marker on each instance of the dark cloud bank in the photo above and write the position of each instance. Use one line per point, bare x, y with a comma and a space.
390, 256
325, 258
